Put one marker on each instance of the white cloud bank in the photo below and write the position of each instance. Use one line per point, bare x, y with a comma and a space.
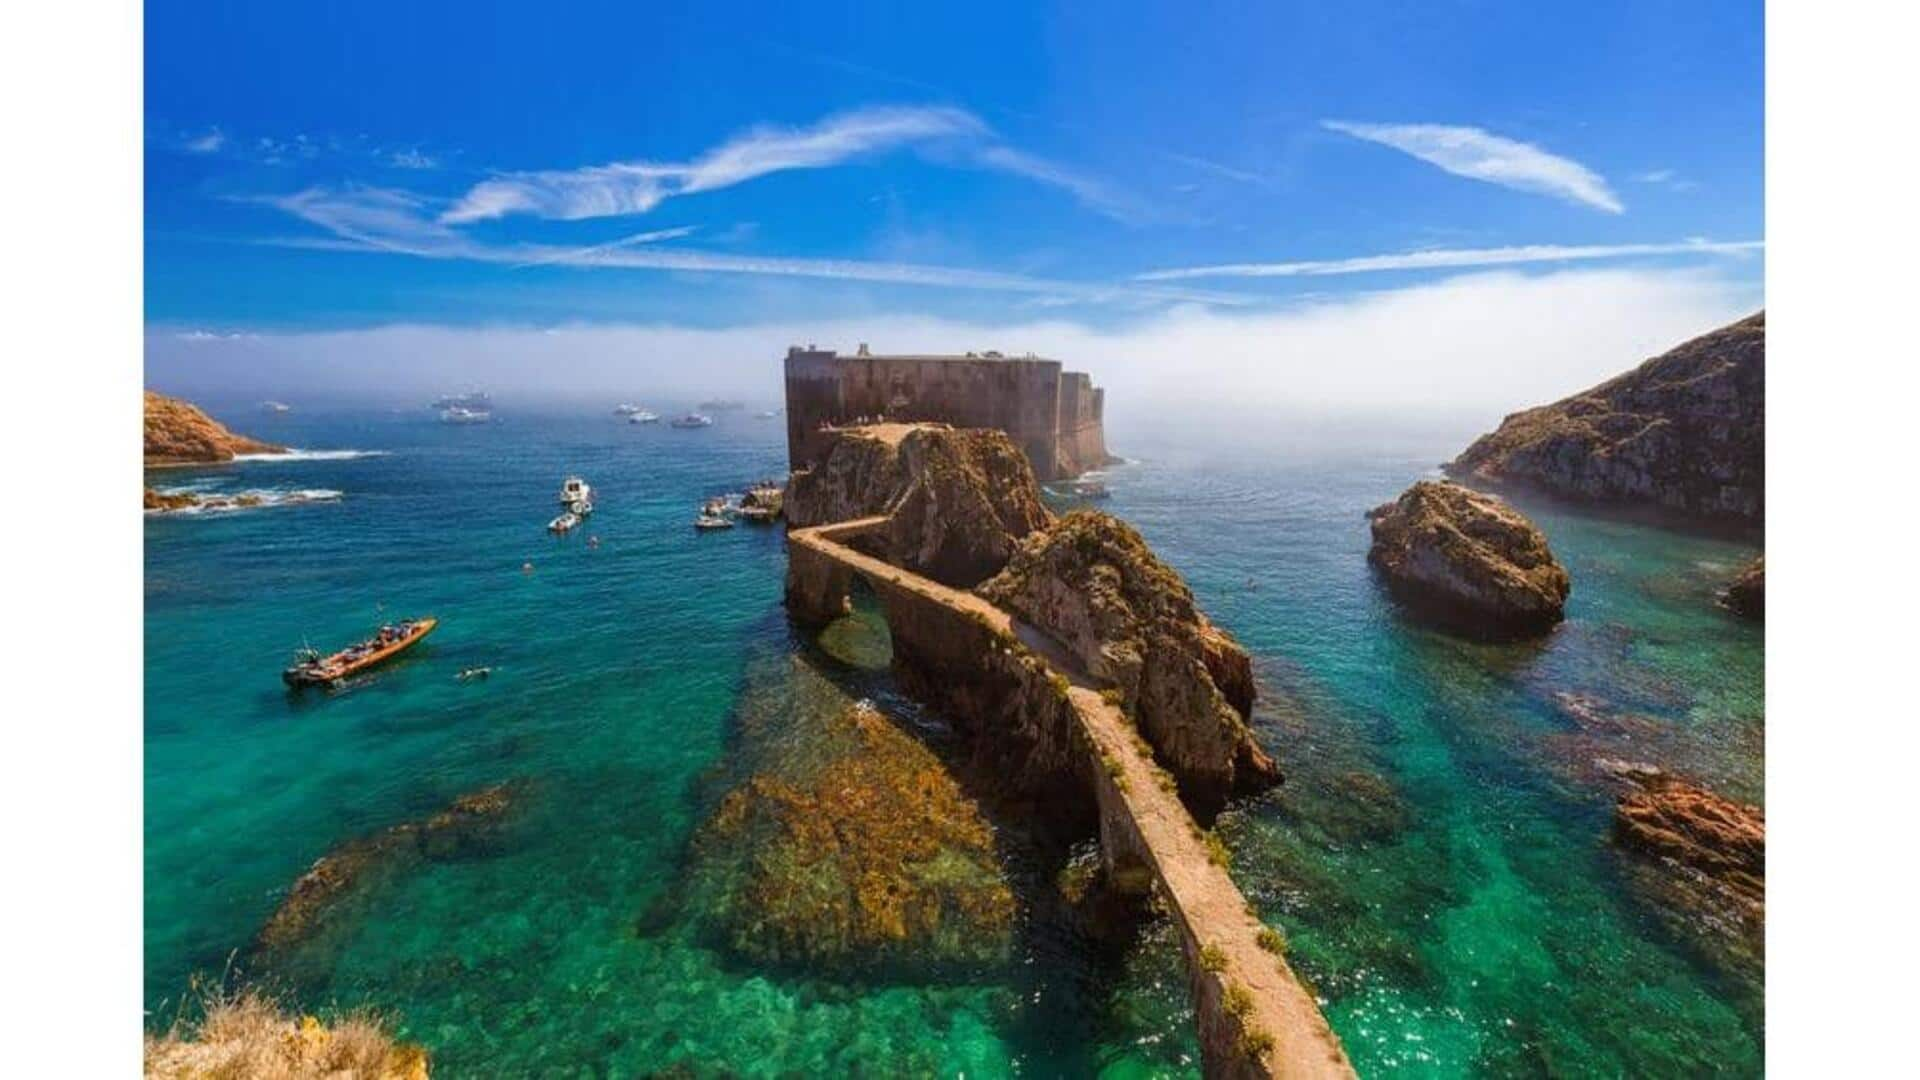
1476, 346
1481, 155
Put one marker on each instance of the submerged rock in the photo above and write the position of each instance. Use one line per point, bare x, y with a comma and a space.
1091, 583
1746, 595
470, 825
1700, 863
871, 857
1684, 433
178, 433
1468, 561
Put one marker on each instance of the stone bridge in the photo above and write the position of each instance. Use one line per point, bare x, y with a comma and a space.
1255, 1018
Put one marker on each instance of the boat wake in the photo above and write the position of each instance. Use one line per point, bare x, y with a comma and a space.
294, 453
230, 502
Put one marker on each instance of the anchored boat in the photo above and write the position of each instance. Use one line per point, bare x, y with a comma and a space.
313, 669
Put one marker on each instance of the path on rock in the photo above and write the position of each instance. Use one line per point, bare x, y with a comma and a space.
1267, 1024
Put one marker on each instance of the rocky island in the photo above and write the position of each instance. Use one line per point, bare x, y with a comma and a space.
1468, 561
1683, 434
1087, 683
179, 433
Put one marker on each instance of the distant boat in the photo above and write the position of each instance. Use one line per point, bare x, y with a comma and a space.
574, 492
312, 669
473, 400
625, 409
693, 420
460, 414
644, 417
276, 406
564, 523
722, 405
766, 415
712, 521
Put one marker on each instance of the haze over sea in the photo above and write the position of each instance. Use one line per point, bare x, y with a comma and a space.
1466, 915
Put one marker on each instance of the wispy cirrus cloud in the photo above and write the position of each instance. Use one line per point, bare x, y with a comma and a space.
389, 221
207, 142
1478, 154
1453, 259
638, 186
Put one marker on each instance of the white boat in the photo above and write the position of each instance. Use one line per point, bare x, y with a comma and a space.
644, 417
276, 406
460, 414
625, 409
767, 414
574, 492
711, 521
564, 523
693, 420
473, 400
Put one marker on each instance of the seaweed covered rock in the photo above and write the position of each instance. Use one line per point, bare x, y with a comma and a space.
471, 825
1468, 561
1746, 595
1091, 583
868, 856
1684, 433
179, 433
957, 500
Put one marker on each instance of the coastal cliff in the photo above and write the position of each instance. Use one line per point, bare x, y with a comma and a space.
1468, 562
957, 500
1091, 583
179, 433
1683, 434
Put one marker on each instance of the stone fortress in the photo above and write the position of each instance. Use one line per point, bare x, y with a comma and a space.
1054, 415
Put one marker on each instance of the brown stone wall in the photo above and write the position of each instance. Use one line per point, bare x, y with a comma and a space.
1053, 417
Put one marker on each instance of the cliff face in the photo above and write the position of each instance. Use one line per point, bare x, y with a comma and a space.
178, 433
1684, 433
1468, 562
1091, 583
958, 500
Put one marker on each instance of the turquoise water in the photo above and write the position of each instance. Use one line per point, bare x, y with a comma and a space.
1437, 857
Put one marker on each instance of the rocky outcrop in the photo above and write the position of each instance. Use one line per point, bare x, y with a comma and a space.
1702, 862
869, 855
1468, 561
470, 825
1683, 433
167, 501
248, 1035
178, 433
1091, 583
958, 500
1746, 595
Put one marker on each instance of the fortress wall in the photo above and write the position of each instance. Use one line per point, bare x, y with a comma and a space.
1053, 417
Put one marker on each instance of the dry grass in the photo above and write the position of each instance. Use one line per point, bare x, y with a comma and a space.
246, 1036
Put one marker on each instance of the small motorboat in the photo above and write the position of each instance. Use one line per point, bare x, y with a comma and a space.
580, 508
644, 417
460, 414
312, 669
563, 524
693, 420
467, 674
626, 410
575, 491
712, 521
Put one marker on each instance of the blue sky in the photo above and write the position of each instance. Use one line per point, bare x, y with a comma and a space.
350, 166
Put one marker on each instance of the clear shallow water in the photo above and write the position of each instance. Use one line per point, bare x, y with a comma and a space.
1463, 915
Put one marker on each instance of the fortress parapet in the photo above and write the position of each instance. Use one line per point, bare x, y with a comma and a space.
1055, 416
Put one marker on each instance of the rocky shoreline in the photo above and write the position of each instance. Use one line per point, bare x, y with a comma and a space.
180, 434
